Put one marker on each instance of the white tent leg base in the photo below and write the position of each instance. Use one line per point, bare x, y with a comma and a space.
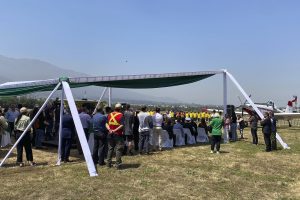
283, 144
79, 129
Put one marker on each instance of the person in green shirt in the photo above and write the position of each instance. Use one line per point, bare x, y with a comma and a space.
216, 133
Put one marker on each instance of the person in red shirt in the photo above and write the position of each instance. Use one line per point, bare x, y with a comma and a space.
115, 125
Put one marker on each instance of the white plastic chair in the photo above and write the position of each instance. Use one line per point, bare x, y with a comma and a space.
179, 137
202, 137
190, 137
166, 141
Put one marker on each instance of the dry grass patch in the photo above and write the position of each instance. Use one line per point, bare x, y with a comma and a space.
241, 171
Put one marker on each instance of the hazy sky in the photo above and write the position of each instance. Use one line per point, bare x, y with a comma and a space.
257, 41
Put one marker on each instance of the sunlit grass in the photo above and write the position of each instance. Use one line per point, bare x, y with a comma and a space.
241, 171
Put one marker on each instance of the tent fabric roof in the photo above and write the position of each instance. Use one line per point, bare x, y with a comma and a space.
123, 81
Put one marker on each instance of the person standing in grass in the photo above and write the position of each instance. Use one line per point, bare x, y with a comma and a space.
145, 125
68, 132
253, 125
241, 124
115, 126
266, 129
216, 133
227, 122
21, 123
100, 136
157, 129
128, 130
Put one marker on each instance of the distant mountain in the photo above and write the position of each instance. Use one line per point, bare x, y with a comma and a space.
31, 69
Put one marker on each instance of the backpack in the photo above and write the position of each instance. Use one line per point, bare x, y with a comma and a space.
242, 124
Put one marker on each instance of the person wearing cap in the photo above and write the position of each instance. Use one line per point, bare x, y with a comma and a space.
20, 125
114, 125
216, 133
188, 124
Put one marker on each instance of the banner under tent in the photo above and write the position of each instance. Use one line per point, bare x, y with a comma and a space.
124, 81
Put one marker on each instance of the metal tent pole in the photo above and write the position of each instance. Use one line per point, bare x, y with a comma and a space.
79, 129
224, 93
99, 101
109, 97
283, 144
30, 124
60, 126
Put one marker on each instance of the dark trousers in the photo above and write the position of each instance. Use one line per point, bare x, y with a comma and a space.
144, 141
39, 137
136, 140
215, 142
49, 131
66, 144
33, 137
99, 148
254, 136
267, 138
11, 126
115, 143
26, 143
86, 132
174, 140
273, 141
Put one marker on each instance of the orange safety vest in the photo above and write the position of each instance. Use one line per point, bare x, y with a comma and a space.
114, 121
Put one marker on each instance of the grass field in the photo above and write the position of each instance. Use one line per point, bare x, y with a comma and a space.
241, 171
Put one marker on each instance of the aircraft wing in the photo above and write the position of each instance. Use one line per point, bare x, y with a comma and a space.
287, 116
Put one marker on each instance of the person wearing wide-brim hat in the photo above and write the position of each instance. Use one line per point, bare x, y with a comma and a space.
20, 125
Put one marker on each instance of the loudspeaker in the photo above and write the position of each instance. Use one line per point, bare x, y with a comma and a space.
230, 110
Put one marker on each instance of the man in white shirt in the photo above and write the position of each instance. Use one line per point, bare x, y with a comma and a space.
157, 129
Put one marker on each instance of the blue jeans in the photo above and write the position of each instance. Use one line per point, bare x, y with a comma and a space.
66, 144
144, 141
39, 137
226, 135
233, 132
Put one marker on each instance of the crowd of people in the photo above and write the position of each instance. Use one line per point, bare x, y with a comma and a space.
125, 131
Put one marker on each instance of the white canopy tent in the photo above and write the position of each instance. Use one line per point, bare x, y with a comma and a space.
126, 81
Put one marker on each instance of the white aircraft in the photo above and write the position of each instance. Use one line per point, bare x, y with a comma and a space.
288, 114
